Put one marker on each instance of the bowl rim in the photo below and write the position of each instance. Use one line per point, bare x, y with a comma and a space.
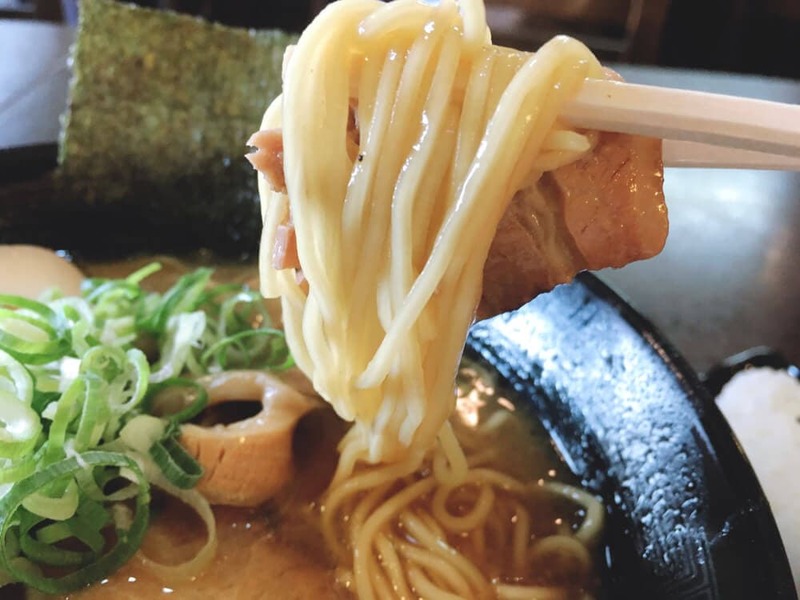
730, 453
731, 468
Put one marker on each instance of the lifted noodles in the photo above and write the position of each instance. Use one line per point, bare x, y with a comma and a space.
393, 226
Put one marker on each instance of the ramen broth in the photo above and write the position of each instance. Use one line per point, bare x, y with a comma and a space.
276, 551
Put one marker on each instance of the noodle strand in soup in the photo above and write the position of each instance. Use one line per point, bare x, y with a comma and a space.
393, 226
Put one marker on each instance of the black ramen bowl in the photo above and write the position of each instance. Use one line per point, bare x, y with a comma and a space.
686, 519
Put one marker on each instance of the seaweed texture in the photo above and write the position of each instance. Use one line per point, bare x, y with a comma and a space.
153, 140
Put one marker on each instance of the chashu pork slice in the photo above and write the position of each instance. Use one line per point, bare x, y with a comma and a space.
604, 210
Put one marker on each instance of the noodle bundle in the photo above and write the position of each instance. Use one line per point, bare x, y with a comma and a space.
405, 135
392, 234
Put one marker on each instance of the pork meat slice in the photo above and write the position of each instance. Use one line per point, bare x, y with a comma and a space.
604, 210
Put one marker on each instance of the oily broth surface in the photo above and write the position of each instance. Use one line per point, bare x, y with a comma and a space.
277, 550
521, 447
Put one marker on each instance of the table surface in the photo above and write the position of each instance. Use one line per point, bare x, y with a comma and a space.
726, 281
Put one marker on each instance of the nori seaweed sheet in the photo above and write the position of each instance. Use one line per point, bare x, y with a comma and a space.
153, 141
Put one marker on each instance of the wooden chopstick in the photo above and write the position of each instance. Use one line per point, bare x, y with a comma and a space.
672, 114
695, 154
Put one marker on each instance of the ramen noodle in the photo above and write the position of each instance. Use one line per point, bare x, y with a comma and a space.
405, 135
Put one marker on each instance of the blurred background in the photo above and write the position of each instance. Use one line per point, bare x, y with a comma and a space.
745, 36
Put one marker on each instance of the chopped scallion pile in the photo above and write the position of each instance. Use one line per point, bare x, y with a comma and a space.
93, 390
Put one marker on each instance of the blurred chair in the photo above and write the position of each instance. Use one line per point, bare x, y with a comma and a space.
39, 10
620, 30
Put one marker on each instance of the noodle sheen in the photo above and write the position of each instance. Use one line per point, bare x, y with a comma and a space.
393, 226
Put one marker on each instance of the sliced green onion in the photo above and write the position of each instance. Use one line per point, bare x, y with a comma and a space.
200, 505
28, 343
183, 332
14, 470
74, 377
67, 409
30, 331
89, 533
69, 370
93, 289
31, 307
141, 432
94, 417
177, 465
19, 427
138, 374
93, 512
58, 508
105, 362
15, 378
243, 311
208, 298
108, 296
119, 331
44, 554
86, 527
53, 556
183, 297
54, 533
254, 348
93, 484
143, 273
177, 399
80, 316
127, 540
116, 382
